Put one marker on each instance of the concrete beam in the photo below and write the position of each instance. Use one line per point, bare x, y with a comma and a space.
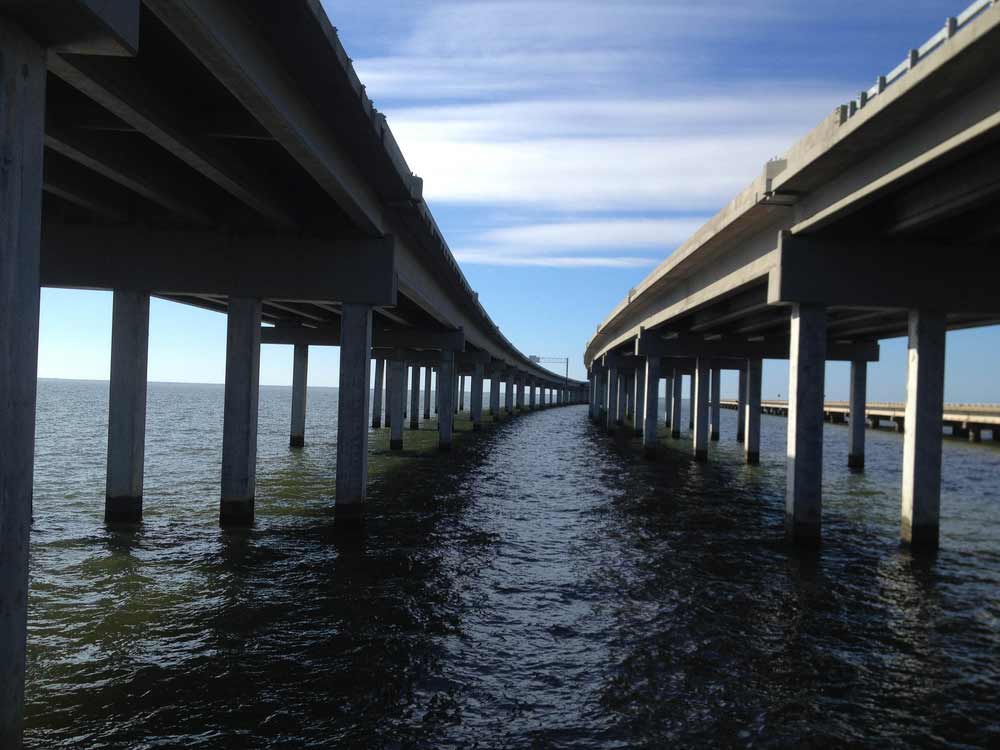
228, 264
22, 112
889, 274
84, 27
738, 348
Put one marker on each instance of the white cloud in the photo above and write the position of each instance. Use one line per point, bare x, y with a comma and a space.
605, 235
494, 258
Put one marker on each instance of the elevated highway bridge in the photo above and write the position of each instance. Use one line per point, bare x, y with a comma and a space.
881, 222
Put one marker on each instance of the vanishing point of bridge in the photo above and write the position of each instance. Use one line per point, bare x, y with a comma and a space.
881, 222
223, 154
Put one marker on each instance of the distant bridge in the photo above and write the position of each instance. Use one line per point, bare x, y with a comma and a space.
881, 222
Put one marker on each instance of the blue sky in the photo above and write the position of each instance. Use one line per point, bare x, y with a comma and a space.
566, 149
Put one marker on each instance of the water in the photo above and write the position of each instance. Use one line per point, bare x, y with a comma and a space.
541, 587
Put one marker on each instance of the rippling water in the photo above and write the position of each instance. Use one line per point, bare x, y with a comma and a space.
542, 586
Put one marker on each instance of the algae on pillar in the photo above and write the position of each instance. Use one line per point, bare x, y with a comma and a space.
127, 407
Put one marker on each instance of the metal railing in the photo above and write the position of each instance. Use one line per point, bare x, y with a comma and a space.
951, 27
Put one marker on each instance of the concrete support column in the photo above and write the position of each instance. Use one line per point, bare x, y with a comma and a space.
612, 400
806, 378
127, 407
641, 377
650, 405
396, 397
437, 391
379, 394
702, 374
714, 414
494, 396
388, 393
415, 398
22, 121
922, 439
461, 393
427, 392
352, 411
741, 406
300, 377
446, 417
509, 395
476, 400
622, 408
691, 399
676, 404
856, 409
754, 386
975, 434
455, 379
531, 396
239, 430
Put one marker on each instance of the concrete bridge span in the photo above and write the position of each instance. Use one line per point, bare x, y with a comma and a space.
881, 222
222, 154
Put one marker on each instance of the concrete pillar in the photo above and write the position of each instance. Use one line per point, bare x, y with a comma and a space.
446, 418
455, 379
519, 394
476, 399
509, 395
922, 439
996, 434
650, 405
239, 430
751, 429
352, 411
714, 409
622, 409
494, 395
531, 396
396, 397
300, 377
388, 393
127, 407
806, 378
856, 409
22, 119
427, 392
676, 404
415, 398
641, 377
975, 433
691, 400
593, 390
437, 391
612, 400
406, 410
741, 406
461, 393
703, 373
377, 397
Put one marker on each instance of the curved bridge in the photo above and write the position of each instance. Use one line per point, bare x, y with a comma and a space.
881, 222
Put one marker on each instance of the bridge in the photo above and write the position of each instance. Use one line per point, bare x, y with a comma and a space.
881, 222
221, 154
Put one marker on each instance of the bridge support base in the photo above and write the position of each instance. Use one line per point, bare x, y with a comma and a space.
300, 377
446, 417
676, 405
716, 398
415, 398
378, 395
741, 406
127, 407
352, 413
754, 383
397, 391
650, 405
701, 381
239, 432
921, 496
476, 398
640, 401
807, 370
856, 411
613, 396
427, 392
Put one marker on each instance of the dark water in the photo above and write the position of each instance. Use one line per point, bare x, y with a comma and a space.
541, 587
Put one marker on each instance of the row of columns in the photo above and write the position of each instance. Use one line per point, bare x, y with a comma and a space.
610, 402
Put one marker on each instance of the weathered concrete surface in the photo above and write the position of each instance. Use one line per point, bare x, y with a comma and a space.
352, 412
858, 399
676, 405
716, 396
378, 396
427, 392
415, 398
650, 405
700, 408
741, 406
127, 407
751, 434
239, 433
446, 415
396, 396
476, 405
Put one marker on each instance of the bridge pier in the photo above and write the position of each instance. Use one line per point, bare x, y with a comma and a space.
461, 393
701, 417
396, 396
641, 378
975, 433
300, 371
612, 420
716, 398
446, 417
691, 399
22, 112
239, 430
807, 372
494, 395
741, 406
519, 393
531, 396
476, 399
650, 405
415, 397
427, 392
379, 394
676, 405
921, 495
621, 409
127, 407
754, 387
509, 395
856, 411
352, 412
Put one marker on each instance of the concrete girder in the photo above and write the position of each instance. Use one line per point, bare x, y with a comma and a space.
741, 348
86, 27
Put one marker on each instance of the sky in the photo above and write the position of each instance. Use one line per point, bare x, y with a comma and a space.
567, 148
